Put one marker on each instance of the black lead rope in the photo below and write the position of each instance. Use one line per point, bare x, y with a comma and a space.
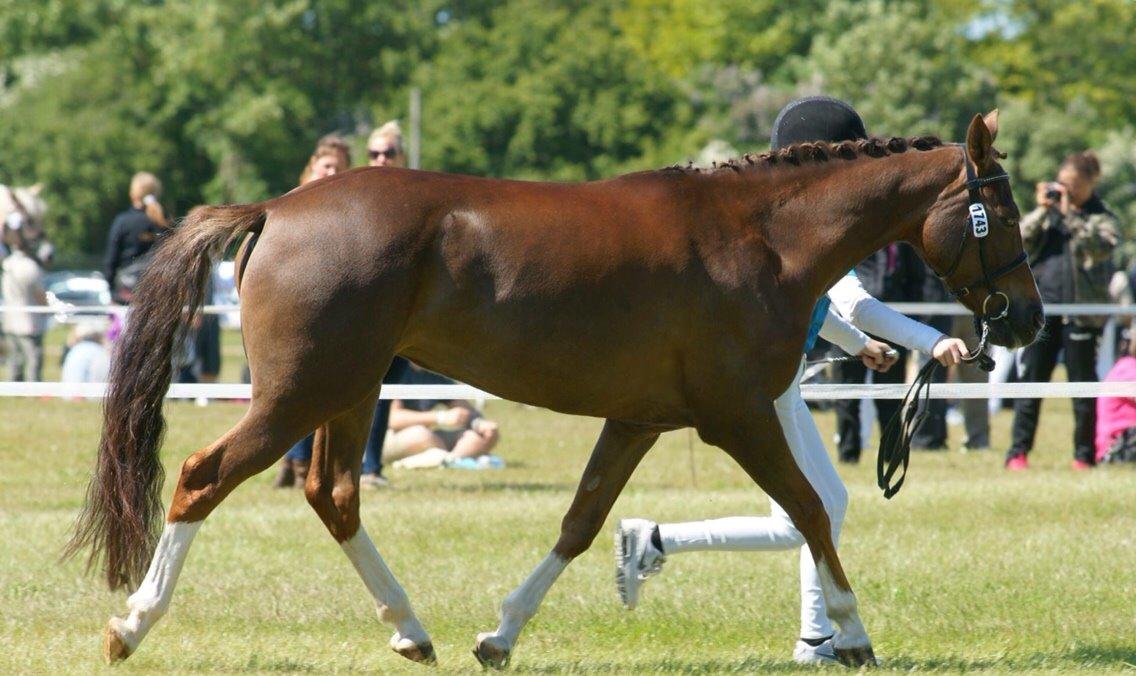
895, 443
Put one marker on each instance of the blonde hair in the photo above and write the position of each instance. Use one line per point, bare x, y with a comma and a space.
331, 144
146, 188
389, 131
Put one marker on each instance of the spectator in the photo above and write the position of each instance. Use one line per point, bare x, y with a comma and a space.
87, 360
932, 434
432, 433
23, 284
384, 149
1070, 237
892, 274
1116, 416
207, 341
384, 146
331, 156
132, 235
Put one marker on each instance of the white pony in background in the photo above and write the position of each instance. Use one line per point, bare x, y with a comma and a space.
23, 209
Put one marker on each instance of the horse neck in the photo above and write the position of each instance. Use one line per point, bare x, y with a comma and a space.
831, 215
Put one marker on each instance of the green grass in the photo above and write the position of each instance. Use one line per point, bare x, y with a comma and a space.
967, 569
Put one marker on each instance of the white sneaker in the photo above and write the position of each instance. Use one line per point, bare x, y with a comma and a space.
636, 558
803, 653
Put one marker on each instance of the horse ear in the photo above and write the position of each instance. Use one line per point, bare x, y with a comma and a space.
34, 190
991, 121
979, 141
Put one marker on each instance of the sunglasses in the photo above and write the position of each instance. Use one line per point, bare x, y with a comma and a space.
389, 153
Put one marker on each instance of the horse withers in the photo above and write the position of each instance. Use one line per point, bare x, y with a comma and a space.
656, 300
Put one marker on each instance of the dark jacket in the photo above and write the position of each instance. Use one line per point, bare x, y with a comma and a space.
1070, 255
902, 283
132, 234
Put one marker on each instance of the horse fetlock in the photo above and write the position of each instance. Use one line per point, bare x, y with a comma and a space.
492, 651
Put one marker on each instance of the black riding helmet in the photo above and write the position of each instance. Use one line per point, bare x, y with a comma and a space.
816, 118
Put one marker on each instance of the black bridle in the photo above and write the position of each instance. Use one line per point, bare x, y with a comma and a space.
895, 442
978, 223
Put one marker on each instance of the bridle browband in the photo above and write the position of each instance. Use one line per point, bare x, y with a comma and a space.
978, 222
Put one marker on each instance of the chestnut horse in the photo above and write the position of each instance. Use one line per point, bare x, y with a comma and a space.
657, 300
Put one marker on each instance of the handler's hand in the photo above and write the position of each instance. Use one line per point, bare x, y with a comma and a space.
949, 351
878, 356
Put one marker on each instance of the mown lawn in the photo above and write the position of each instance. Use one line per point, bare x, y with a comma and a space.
967, 569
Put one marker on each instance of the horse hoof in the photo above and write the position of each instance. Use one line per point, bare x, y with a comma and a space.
115, 648
492, 651
856, 657
422, 653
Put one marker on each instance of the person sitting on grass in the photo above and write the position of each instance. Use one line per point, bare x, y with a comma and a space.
435, 433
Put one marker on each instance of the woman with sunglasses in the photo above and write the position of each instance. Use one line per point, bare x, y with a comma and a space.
641, 546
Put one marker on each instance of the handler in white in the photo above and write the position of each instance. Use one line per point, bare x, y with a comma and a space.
642, 545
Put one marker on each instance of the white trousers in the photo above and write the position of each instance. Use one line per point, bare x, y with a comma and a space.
776, 531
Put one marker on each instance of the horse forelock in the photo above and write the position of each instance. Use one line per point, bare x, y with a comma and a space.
815, 153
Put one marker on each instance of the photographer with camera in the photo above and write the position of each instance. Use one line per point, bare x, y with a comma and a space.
1070, 238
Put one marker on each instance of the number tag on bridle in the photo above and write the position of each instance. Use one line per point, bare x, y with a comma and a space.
978, 220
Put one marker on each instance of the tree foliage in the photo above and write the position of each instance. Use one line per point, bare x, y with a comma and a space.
224, 100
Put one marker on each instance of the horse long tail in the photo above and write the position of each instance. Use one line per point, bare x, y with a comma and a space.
123, 511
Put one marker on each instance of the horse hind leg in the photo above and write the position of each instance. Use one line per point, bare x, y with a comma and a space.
332, 489
617, 453
755, 440
206, 478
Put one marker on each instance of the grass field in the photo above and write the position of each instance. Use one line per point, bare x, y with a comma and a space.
967, 569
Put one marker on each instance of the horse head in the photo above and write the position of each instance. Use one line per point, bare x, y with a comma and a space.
22, 208
971, 239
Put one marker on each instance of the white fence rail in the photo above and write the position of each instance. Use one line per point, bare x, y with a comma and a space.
938, 391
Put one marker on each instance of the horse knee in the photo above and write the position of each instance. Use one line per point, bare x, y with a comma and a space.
336, 503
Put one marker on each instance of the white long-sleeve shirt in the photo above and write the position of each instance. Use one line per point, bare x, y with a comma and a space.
865, 312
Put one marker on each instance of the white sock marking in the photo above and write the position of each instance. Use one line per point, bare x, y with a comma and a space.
152, 598
390, 598
519, 606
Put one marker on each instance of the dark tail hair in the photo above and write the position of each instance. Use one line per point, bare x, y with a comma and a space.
122, 516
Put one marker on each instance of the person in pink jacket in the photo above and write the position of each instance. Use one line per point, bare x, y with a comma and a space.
1116, 414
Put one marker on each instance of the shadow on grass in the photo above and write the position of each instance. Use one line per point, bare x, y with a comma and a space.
492, 487
1083, 657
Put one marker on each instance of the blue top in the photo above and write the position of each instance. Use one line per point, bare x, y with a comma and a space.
817, 319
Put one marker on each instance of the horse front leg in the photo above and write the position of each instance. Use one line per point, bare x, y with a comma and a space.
755, 440
617, 453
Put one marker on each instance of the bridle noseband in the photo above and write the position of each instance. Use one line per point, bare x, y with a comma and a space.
979, 224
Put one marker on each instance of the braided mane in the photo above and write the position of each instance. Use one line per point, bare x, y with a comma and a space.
805, 153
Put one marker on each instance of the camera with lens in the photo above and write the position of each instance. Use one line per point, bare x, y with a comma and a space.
1053, 192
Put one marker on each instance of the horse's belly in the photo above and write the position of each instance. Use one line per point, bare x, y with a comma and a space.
582, 379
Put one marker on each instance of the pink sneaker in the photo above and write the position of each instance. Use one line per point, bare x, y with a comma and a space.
1017, 463
1081, 466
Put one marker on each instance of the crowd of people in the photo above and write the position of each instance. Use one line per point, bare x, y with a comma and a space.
1070, 236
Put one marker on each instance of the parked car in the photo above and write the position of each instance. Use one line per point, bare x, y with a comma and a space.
71, 290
